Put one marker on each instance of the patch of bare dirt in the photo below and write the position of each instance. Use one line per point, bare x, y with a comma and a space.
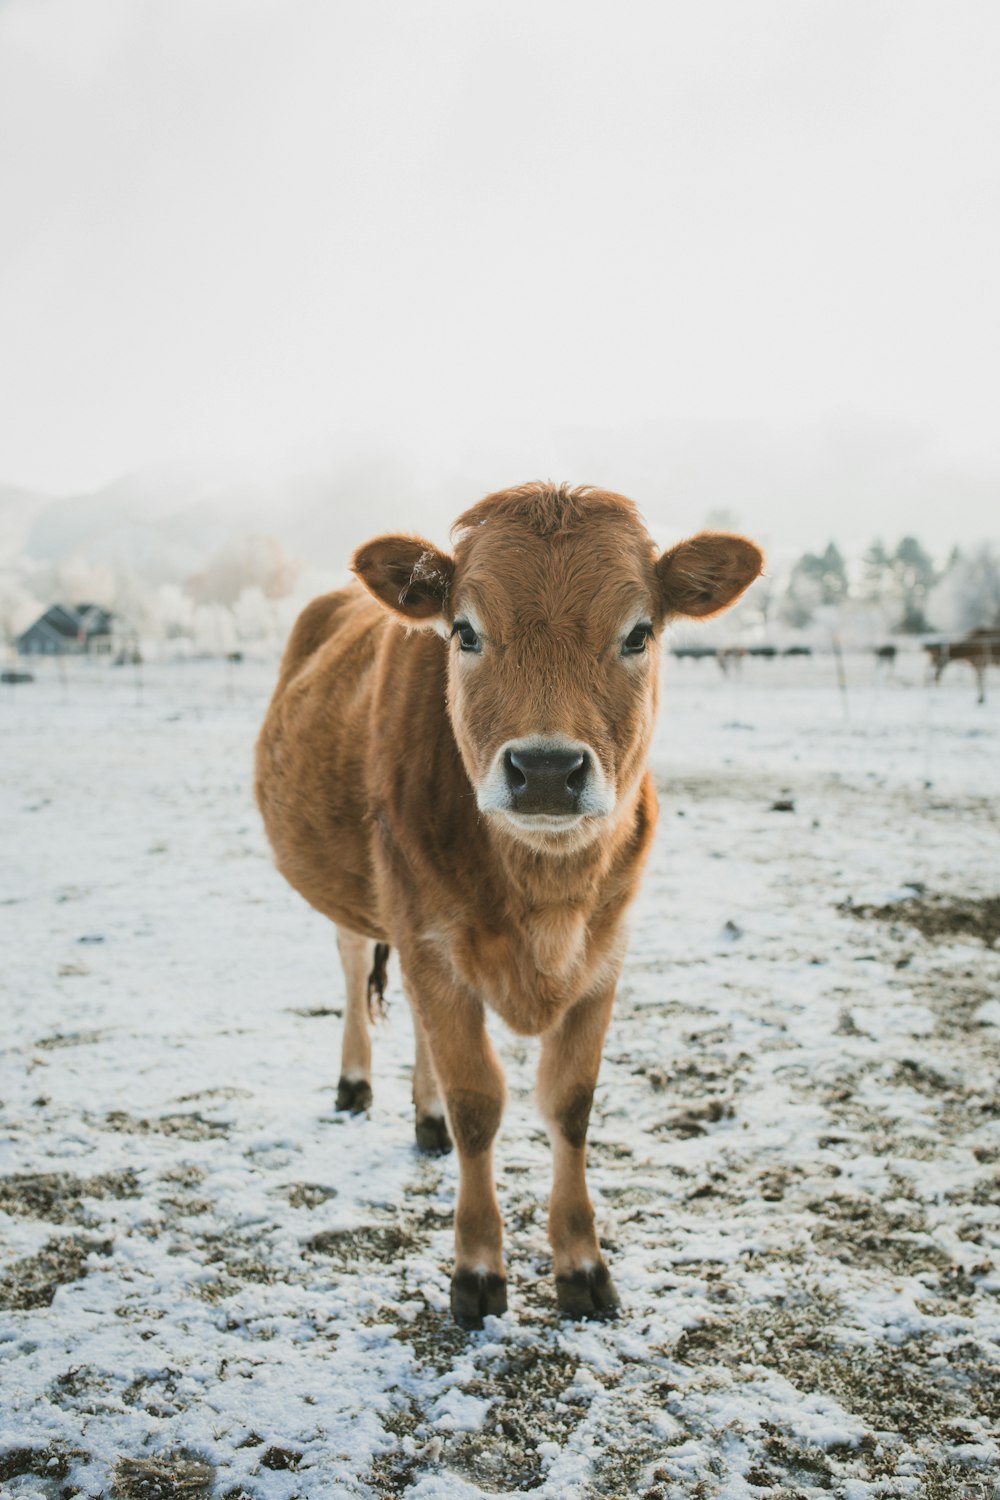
34, 1281
45, 1463
168, 1477
374, 1242
277, 1458
861, 1231
531, 1404
309, 1194
917, 1392
188, 1127
939, 918
59, 1197
68, 1039
238, 1263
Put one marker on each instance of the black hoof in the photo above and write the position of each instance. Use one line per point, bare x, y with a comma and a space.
587, 1294
354, 1094
432, 1135
476, 1294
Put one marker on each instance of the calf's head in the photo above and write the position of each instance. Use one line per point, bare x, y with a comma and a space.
552, 606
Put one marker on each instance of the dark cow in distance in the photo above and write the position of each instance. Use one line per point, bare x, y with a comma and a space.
454, 763
980, 648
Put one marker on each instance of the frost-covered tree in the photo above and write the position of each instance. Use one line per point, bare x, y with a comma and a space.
967, 596
174, 609
242, 563
254, 616
213, 629
876, 575
817, 579
914, 575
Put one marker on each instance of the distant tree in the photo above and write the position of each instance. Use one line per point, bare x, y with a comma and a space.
174, 612
817, 578
241, 563
762, 599
831, 570
981, 587
876, 576
253, 615
914, 575
967, 595
213, 628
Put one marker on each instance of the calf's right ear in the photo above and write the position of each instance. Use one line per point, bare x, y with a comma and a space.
409, 576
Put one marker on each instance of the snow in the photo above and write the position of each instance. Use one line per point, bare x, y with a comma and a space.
794, 1151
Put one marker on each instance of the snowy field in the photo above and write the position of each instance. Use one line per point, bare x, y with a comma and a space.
211, 1283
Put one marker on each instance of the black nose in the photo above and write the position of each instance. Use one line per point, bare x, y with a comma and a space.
545, 781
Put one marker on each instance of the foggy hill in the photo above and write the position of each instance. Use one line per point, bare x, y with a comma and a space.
18, 510
167, 523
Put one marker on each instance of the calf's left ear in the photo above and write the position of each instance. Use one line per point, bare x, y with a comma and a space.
706, 574
408, 575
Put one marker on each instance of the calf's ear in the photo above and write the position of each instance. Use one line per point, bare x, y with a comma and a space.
406, 574
706, 574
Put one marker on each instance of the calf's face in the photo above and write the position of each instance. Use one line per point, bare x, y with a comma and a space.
552, 606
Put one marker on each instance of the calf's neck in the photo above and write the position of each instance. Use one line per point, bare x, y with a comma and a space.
454, 765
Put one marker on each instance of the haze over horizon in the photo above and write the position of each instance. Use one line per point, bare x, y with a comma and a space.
718, 257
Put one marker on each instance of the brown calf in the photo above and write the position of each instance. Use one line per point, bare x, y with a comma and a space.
980, 648
474, 792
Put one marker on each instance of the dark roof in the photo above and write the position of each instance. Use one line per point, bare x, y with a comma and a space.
96, 620
62, 618
69, 620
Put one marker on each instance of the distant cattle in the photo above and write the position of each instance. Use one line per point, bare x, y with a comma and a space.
885, 656
454, 763
980, 648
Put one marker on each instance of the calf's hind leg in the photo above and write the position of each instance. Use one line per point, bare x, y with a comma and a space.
431, 1126
357, 955
567, 1075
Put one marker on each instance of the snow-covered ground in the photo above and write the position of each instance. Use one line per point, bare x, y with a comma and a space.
210, 1282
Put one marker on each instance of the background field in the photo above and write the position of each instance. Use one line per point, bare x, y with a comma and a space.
211, 1282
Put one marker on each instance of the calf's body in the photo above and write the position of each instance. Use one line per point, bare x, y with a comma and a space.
980, 648
472, 790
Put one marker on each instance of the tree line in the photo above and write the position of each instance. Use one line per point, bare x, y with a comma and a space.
910, 591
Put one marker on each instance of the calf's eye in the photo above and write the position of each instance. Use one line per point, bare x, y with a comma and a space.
468, 640
636, 640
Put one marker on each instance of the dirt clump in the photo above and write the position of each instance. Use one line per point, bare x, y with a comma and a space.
58, 1197
376, 1242
309, 1194
281, 1458
189, 1127
45, 1463
939, 918
34, 1281
166, 1477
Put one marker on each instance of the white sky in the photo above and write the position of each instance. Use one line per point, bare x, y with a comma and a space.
747, 248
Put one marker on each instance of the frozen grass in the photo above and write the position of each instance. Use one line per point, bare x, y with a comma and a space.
211, 1283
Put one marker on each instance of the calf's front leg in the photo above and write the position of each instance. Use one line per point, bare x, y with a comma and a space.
567, 1076
472, 1083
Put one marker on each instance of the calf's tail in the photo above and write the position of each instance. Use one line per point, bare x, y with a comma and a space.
377, 981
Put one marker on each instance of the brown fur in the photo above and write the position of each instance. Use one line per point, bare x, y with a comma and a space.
375, 746
980, 648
